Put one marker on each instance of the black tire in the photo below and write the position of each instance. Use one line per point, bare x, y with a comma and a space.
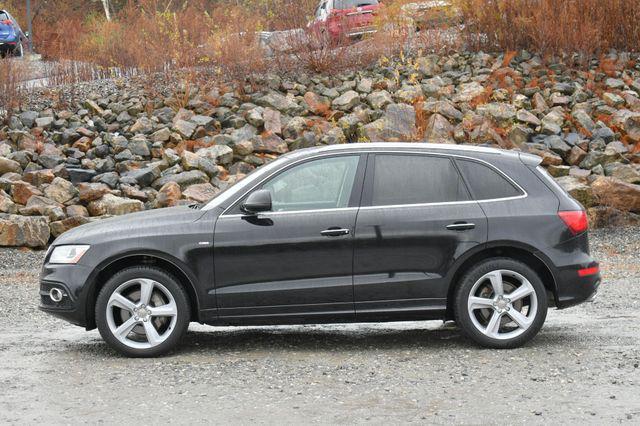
19, 50
466, 284
171, 284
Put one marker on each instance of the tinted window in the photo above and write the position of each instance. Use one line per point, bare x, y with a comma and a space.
352, 4
416, 179
317, 184
485, 183
4, 16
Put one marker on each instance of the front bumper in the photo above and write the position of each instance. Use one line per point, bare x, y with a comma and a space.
71, 280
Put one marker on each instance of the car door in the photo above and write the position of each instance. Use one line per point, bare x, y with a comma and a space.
416, 219
294, 263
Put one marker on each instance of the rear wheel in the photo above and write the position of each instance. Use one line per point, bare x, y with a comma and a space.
501, 303
142, 312
19, 50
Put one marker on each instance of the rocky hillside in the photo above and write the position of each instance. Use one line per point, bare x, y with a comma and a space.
119, 150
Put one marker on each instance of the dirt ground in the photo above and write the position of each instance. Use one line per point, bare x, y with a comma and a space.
582, 367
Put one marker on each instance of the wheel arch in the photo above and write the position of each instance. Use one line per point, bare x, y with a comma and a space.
114, 265
524, 253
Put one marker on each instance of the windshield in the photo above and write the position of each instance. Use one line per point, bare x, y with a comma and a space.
352, 4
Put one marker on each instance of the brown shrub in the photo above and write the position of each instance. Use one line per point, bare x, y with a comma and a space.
551, 26
10, 71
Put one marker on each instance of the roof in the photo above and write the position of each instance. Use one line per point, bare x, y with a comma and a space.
420, 146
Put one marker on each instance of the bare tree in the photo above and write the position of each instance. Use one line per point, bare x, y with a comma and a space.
106, 4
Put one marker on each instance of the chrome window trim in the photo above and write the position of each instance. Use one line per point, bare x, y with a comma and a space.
524, 193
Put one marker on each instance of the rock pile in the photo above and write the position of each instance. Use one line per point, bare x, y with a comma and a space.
124, 150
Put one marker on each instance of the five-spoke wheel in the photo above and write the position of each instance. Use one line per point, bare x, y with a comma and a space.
501, 303
142, 311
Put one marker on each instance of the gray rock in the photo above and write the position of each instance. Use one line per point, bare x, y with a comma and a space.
558, 145
281, 103
379, 99
109, 204
9, 166
28, 118
219, 154
184, 128
23, 231
438, 130
346, 101
624, 172
183, 179
142, 125
61, 191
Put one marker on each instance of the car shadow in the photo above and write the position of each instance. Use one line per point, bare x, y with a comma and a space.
350, 338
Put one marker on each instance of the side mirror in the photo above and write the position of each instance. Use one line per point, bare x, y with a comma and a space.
27, 34
258, 201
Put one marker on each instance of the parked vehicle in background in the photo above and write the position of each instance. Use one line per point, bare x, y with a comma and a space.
12, 39
339, 19
347, 233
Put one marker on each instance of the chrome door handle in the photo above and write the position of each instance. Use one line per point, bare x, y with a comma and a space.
461, 226
335, 232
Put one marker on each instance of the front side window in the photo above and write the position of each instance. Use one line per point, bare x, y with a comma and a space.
314, 185
486, 183
416, 179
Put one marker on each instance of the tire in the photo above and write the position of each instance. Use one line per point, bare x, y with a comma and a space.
165, 309
19, 50
495, 320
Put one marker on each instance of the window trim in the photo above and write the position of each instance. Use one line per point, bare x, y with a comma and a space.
499, 172
361, 180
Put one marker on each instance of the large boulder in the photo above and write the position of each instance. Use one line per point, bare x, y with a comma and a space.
578, 189
61, 191
183, 179
61, 226
24, 231
200, 193
218, 154
616, 193
438, 130
109, 204
9, 166
398, 124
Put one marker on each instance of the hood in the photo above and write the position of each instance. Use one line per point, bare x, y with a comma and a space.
134, 225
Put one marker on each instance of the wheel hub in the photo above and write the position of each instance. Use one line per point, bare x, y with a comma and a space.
142, 313
501, 304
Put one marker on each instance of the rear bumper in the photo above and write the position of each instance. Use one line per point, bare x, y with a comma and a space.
572, 289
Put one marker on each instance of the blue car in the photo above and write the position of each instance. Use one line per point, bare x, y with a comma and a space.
12, 39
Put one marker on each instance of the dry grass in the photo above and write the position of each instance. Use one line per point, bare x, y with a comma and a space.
9, 86
551, 26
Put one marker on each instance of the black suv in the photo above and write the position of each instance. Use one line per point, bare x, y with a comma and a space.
348, 233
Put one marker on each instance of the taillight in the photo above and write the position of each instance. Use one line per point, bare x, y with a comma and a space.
588, 271
6, 22
576, 221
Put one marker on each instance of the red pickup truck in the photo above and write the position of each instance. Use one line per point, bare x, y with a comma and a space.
345, 18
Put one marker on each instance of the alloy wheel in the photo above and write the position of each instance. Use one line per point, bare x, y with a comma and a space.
502, 304
141, 313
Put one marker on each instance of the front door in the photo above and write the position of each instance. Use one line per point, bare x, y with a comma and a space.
416, 219
294, 263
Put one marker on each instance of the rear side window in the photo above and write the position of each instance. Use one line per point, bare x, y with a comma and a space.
352, 4
416, 179
486, 183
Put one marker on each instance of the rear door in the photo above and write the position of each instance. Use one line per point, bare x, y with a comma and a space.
416, 219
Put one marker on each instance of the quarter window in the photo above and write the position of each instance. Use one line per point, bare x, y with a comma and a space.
416, 179
319, 184
486, 183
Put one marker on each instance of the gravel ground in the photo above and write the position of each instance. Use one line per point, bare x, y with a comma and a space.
583, 367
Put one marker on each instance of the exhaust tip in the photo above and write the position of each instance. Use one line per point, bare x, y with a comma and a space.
56, 295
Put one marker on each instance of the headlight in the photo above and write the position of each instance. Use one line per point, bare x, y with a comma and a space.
68, 254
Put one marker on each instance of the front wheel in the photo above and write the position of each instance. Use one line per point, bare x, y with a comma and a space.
142, 312
500, 303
